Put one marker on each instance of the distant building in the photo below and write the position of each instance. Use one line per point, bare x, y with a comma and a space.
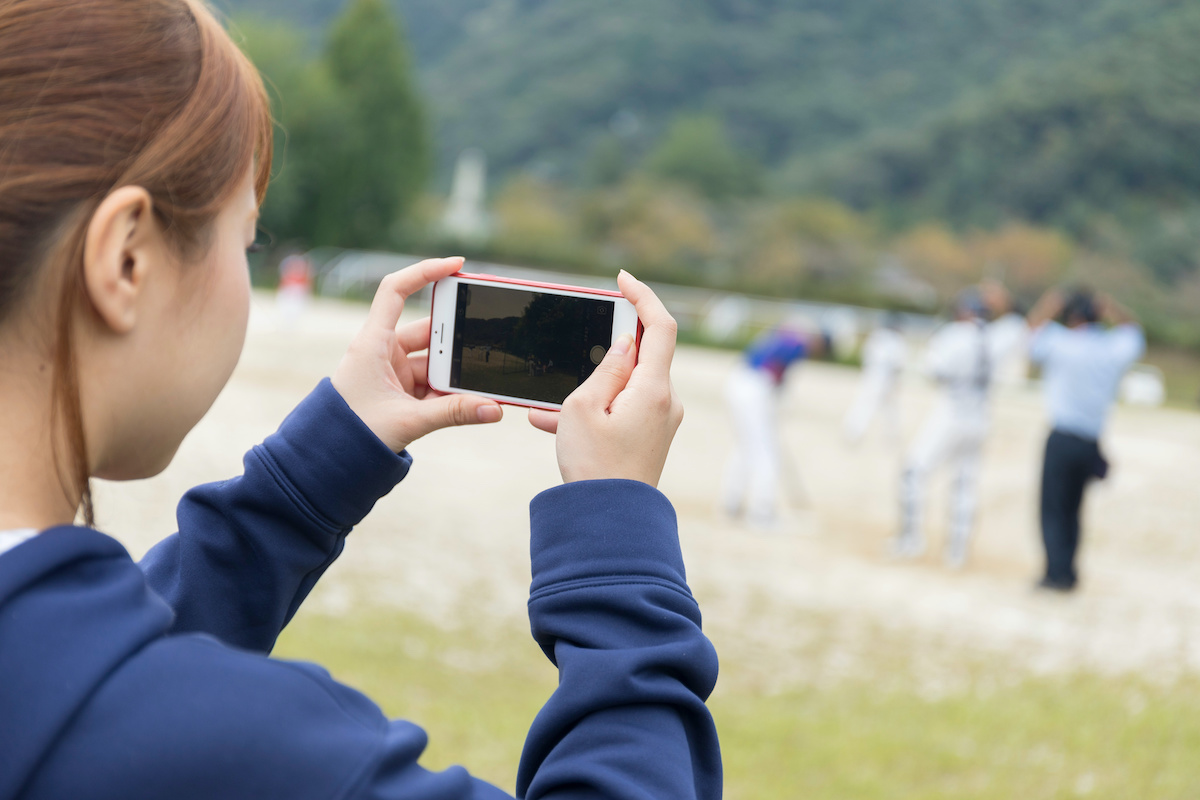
466, 219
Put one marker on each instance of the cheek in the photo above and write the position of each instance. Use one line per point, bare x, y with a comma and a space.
240, 297
234, 295
219, 340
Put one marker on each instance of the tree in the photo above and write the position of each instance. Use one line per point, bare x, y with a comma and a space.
697, 152
535, 217
352, 151
935, 254
383, 162
786, 246
306, 106
1028, 259
607, 163
648, 225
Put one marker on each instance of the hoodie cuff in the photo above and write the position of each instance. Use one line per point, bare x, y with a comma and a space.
332, 458
590, 529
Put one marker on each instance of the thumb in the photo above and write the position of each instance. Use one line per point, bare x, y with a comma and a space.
452, 410
611, 375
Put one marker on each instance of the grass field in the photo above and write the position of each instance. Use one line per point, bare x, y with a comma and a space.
475, 690
504, 373
844, 674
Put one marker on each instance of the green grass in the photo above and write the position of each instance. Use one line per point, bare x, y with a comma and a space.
507, 374
1037, 739
476, 690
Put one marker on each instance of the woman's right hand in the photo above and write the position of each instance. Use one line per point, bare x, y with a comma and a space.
620, 422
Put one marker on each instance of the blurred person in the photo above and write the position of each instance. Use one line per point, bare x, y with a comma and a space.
135, 148
1008, 332
1082, 363
753, 472
295, 288
962, 358
884, 356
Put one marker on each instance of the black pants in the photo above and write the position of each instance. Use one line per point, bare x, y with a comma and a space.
1071, 461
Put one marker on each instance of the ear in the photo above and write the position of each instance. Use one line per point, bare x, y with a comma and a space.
123, 242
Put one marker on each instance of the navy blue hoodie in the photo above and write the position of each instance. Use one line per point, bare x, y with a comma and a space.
122, 680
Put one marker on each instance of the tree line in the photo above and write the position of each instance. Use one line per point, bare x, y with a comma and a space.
1081, 172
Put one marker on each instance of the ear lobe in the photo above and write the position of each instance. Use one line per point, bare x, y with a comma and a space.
122, 243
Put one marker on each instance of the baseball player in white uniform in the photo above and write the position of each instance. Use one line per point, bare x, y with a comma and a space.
752, 475
884, 356
962, 357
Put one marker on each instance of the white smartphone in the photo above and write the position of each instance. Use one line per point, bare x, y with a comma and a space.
521, 342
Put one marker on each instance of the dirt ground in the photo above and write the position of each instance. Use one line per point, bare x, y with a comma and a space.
815, 600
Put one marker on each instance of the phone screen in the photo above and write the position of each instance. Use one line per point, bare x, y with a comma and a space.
526, 344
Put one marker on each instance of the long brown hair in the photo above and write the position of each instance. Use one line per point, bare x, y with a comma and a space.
99, 95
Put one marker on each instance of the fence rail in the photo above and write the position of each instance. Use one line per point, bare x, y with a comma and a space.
718, 316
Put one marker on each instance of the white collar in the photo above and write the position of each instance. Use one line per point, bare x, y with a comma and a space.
10, 539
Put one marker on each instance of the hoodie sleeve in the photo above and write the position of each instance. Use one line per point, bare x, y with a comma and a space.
610, 607
250, 549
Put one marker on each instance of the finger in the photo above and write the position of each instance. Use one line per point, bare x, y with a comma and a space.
544, 419
610, 376
418, 371
414, 336
658, 340
398, 286
452, 410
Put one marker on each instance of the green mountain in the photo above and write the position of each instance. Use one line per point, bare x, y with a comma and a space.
1075, 113
536, 82
1112, 133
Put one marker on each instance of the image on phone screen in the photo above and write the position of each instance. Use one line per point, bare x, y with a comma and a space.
526, 344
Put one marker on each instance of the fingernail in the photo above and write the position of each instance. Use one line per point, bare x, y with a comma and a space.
626, 272
622, 345
489, 413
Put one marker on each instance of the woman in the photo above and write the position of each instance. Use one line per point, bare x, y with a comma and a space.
134, 148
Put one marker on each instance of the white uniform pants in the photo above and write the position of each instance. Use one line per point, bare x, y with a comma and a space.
955, 436
877, 394
752, 474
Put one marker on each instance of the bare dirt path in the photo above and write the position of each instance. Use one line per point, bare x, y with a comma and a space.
816, 600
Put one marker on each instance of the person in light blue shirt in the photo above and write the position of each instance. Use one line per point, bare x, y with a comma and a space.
1082, 363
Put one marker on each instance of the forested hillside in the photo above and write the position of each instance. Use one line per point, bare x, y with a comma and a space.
973, 111
782, 146
537, 83
1112, 133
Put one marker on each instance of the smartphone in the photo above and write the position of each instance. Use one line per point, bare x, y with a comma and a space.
521, 342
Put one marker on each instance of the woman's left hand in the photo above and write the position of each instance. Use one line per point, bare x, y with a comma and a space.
385, 384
